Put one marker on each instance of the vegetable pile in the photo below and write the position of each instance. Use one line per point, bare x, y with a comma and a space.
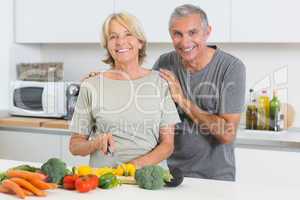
25, 180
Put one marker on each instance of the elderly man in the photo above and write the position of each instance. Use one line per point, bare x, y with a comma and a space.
208, 87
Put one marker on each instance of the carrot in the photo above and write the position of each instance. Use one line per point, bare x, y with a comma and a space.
8, 191
41, 184
14, 187
25, 174
5, 190
27, 192
27, 185
53, 185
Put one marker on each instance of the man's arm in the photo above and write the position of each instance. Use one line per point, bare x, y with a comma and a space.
223, 127
161, 152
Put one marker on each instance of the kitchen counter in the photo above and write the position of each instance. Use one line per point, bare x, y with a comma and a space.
34, 122
285, 140
190, 188
35, 125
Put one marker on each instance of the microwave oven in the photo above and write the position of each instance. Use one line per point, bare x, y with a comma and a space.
38, 99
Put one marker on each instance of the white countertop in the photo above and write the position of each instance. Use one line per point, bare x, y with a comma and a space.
283, 136
191, 188
284, 139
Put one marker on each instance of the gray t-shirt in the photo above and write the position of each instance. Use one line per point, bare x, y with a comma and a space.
218, 88
132, 110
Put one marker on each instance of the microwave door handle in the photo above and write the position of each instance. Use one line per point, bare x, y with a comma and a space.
44, 99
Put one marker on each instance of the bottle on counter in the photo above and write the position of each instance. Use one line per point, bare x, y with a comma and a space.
263, 110
275, 117
251, 113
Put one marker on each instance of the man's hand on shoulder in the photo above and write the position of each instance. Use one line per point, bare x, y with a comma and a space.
89, 75
174, 85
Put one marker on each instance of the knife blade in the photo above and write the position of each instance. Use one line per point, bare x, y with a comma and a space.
93, 130
113, 157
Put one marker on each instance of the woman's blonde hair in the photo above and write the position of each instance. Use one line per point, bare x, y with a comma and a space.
132, 24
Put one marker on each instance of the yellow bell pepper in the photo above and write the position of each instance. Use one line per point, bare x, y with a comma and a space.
84, 170
103, 170
130, 169
120, 170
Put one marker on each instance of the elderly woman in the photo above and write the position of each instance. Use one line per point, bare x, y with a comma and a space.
129, 105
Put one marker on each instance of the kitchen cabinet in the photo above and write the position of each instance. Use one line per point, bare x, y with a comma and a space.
267, 166
60, 21
66, 21
265, 21
154, 16
29, 146
35, 147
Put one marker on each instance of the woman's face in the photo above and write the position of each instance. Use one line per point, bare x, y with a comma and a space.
122, 45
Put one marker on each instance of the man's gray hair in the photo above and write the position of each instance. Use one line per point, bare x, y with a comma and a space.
187, 10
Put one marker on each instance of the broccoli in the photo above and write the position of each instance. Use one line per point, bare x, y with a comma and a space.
55, 169
152, 177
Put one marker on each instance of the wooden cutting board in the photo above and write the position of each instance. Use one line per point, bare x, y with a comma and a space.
127, 180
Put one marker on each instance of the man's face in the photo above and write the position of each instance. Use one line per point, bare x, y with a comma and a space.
189, 37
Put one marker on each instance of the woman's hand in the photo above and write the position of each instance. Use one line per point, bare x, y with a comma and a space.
103, 141
91, 74
79, 145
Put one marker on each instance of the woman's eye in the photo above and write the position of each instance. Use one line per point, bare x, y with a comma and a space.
112, 37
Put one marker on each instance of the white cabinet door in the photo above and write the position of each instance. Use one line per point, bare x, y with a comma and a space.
32, 147
265, 21
267, 166
154, 16
70, 159
60, 21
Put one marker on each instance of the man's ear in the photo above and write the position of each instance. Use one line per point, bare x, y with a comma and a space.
207, 32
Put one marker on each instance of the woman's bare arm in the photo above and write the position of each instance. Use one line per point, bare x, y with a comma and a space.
79, 145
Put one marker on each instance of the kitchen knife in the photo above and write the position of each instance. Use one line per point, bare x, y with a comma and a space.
113, 157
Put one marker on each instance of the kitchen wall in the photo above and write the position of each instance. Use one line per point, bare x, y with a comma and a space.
6, 35
267, 64
262, 60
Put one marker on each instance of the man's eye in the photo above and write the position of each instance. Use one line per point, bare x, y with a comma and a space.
128, 34
177, 34
112, 37
193, 32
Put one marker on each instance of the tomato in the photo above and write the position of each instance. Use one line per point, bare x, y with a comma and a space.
83, 184
69, 182
93, 180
